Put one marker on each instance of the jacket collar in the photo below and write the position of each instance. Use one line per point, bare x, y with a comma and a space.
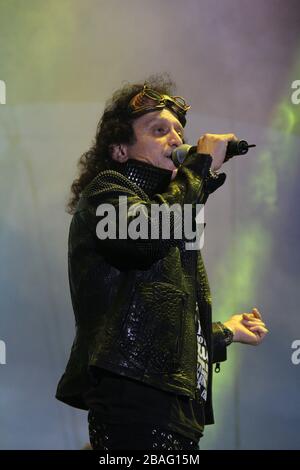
149, 178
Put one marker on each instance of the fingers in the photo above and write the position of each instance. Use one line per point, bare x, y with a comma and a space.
254, 319
256, 313
253, 322
214, 143
233, 137
217, 137
261, 330
255, 338
248, 316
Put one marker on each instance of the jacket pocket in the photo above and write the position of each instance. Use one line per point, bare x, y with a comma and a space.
151, 335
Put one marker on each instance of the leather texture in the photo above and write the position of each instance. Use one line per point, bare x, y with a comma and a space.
134, 300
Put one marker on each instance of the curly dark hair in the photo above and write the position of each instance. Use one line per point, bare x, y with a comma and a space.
114, 127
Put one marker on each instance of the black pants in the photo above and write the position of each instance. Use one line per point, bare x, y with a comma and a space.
146, 436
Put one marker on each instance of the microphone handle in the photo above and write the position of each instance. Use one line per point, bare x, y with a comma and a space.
236, 147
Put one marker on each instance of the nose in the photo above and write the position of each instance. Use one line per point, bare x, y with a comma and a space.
174, 139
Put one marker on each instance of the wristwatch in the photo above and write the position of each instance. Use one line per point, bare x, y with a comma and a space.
228, 334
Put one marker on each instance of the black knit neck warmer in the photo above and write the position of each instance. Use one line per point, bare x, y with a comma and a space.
150, 179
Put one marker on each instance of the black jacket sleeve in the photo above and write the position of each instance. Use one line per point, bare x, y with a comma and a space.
222, 338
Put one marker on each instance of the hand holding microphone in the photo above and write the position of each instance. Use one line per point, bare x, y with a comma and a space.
221, 147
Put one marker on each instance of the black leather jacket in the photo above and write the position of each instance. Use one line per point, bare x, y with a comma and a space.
134, 300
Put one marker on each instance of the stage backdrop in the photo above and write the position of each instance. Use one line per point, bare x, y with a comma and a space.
236, 63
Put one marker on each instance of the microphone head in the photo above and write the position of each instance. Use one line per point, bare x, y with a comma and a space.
180, 153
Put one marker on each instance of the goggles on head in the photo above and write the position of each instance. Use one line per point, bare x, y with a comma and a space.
149, 100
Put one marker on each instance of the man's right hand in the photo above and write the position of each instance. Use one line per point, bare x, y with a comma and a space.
215, 145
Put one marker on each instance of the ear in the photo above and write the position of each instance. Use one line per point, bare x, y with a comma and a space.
119, 152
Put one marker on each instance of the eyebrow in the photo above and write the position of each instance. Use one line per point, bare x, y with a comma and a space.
154, 120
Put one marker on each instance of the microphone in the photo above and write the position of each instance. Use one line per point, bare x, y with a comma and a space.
234, 147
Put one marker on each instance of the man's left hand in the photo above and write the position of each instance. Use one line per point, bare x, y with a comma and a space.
247, 328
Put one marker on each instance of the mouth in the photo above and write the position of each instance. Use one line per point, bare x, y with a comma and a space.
171, 164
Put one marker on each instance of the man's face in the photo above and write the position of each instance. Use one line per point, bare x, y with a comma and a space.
157, 134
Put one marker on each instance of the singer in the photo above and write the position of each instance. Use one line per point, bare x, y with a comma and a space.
142, 358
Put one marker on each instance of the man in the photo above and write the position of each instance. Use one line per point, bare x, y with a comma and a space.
141, 361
